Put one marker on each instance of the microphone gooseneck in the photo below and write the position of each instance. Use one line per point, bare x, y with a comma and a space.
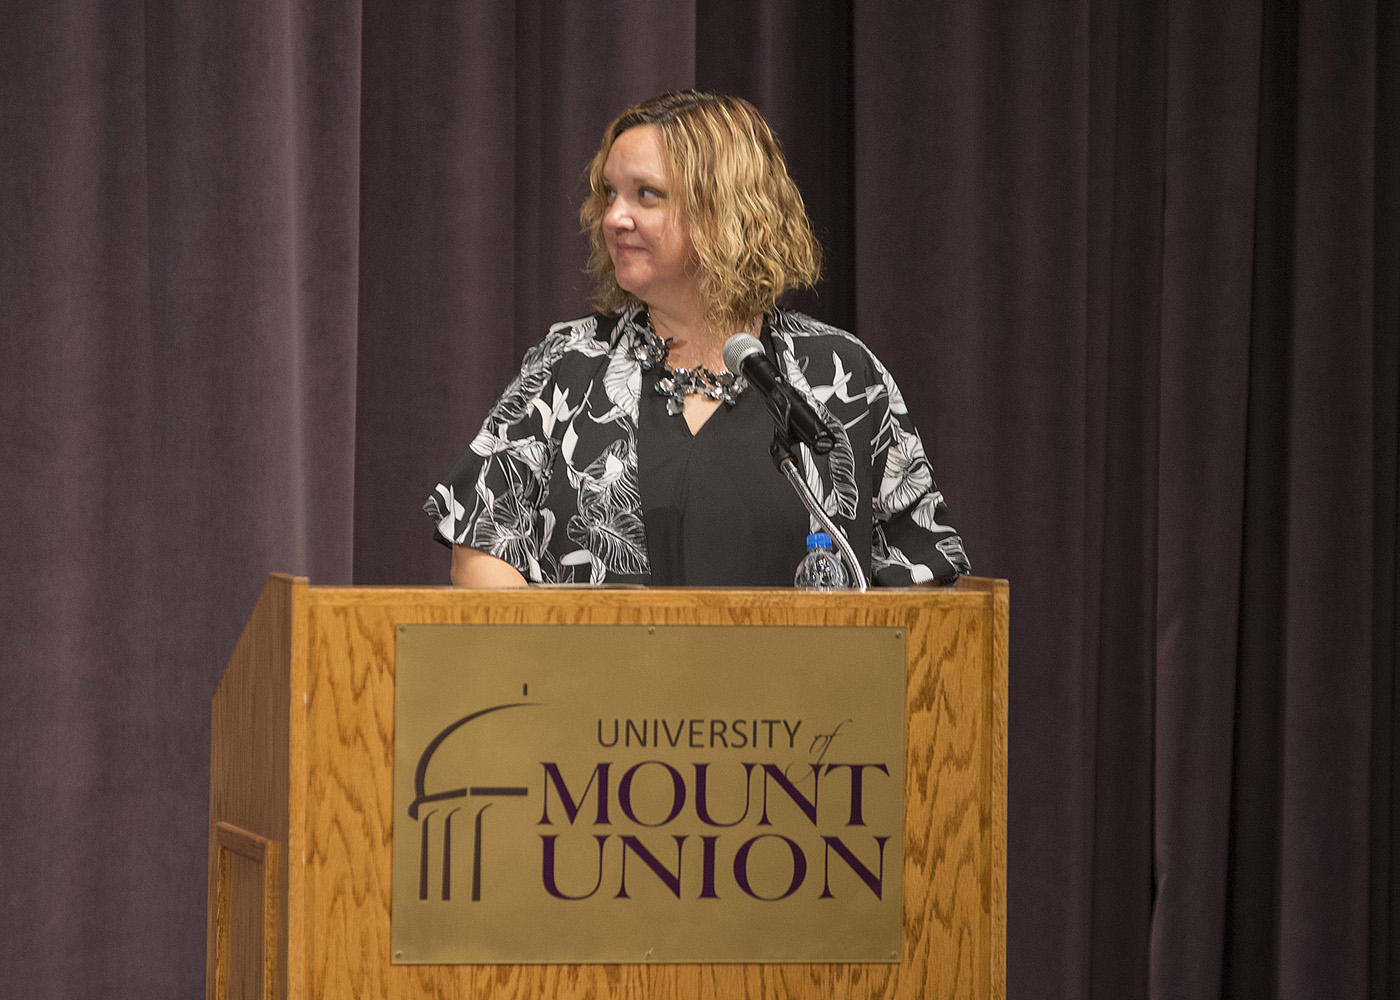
743, 354
796, 421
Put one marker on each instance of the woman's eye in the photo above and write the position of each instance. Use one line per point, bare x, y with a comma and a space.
647, 192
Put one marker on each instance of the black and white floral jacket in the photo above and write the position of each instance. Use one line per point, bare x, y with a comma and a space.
550, 482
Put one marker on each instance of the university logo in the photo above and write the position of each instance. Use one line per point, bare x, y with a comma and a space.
449, 810
626, 806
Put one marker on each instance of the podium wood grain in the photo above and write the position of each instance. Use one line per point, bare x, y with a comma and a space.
302, 756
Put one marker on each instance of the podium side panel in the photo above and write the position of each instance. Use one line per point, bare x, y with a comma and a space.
248, 791
995, 793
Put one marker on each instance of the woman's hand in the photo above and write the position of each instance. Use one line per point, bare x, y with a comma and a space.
476, 570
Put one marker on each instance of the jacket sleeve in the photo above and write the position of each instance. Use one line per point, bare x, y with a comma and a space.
493, 499
913, 540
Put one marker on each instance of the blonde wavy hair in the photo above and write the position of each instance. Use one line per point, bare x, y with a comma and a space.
746, 220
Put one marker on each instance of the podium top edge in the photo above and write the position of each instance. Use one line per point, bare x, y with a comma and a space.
966, 588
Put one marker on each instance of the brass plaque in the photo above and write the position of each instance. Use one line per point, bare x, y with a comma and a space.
610, 793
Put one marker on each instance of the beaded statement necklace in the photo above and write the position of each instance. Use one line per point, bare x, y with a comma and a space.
677, 383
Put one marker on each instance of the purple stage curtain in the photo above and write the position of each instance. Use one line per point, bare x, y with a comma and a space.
1136, 267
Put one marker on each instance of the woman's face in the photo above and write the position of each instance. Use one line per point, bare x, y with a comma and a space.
646, 237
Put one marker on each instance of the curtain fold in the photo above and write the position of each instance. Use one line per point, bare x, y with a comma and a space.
1384, 911
178, 305
1210, 108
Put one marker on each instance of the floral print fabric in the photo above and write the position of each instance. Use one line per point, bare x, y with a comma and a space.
549, 484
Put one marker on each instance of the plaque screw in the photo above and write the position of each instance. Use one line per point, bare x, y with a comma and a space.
894, 954
398, 954
651, 631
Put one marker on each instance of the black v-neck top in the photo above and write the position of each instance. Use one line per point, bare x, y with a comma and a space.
717, 513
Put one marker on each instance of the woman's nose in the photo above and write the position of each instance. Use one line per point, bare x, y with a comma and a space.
618, 215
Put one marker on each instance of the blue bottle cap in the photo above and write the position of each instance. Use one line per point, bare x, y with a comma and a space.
818, 540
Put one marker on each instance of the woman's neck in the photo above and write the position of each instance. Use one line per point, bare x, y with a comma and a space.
693, 342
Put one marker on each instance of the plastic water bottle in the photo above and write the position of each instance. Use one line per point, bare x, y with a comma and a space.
821, 568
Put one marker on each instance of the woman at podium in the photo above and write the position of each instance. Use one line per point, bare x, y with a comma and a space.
626, 452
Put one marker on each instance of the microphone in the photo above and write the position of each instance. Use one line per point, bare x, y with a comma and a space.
743, 354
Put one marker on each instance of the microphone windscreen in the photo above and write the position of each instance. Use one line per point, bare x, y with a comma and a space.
739, 347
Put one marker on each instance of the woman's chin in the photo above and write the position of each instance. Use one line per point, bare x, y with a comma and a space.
632, 286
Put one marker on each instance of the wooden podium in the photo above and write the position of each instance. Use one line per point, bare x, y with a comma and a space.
301, 773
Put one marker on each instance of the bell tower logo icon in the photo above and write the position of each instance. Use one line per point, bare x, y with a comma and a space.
444, 806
